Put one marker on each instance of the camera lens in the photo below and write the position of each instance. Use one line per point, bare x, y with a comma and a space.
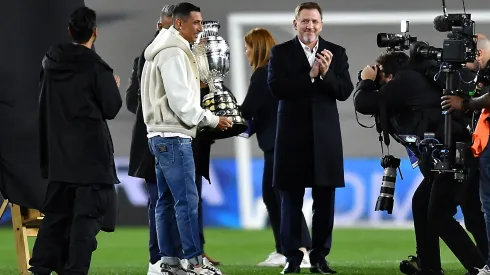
383, 39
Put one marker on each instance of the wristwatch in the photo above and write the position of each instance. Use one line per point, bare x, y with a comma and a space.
464, 104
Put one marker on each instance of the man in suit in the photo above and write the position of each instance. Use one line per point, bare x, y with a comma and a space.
308, 75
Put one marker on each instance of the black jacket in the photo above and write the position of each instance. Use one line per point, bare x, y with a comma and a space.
308, 149
78, 95
412, 102
261, 107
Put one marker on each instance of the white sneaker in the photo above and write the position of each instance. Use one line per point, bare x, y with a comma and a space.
166, 269
207, 268
274, 260
484, 271
305, 263
155, 269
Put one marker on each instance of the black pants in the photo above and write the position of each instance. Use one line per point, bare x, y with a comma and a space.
199, 209
153, 240
434, 205
67, 236
322, 223
272, 201
474, 219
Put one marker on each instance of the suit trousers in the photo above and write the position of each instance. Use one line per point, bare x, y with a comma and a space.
153, 240
272, 201
67, 236
322, 221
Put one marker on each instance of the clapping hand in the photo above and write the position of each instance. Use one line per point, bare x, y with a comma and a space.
324, 59
118, 80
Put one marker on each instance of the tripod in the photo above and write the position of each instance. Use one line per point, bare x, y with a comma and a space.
448, 162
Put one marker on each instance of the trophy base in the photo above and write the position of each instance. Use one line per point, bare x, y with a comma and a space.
216, 133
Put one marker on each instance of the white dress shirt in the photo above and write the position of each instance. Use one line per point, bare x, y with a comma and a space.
310, 54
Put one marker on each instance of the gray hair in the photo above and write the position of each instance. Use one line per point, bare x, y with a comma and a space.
167, 10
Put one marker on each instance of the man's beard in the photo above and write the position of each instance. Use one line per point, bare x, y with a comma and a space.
310, 38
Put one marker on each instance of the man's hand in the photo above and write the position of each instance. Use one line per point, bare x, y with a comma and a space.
224, 123
369, 73
324, 59
315, 70
451, 102
118, 80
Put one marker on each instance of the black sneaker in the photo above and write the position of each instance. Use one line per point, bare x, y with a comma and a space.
410, 266
428, 272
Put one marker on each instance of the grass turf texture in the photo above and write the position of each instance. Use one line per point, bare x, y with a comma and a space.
354, 251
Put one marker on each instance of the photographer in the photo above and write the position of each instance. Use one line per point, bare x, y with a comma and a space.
481, 135
411, 103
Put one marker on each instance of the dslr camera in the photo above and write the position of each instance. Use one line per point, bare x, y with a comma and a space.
376, 81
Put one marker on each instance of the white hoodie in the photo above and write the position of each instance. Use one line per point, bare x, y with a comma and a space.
170, 87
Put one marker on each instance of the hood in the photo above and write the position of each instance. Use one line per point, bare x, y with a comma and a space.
166, 38
65, 60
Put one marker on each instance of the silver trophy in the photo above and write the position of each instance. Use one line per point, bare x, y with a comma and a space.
212, 55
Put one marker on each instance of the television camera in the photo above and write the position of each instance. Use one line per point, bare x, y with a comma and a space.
459, 48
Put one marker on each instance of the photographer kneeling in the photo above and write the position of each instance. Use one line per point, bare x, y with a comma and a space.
411, 102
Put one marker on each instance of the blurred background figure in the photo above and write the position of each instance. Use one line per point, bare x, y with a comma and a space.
260, 108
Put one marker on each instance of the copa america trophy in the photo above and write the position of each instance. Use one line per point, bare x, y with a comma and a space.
212, 55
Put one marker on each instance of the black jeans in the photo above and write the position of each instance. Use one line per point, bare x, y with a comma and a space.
67, 236
434, 205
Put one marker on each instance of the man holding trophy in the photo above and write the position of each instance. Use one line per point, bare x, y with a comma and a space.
172, 113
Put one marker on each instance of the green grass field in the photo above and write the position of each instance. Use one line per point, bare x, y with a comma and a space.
354, 251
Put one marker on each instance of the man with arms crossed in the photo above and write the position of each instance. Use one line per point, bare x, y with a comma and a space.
170, 99
308, 75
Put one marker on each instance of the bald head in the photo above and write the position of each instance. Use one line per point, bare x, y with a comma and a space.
483, 47
483, 42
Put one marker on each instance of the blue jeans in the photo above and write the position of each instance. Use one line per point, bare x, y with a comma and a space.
176, 212
485, 190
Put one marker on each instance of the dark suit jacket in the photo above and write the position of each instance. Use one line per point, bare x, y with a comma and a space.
308, 150
261, 107
141, 161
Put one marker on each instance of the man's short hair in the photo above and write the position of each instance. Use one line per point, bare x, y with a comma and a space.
308, 6
82, 24
183, 10
392, 62
167, 11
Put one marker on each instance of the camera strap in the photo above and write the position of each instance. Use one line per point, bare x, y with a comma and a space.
382, 125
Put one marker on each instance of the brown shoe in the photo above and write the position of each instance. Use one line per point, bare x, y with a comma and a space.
215, 263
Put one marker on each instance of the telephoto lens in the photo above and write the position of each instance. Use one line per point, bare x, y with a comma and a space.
387, 192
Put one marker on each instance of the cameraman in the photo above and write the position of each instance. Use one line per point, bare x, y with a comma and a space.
411, 102
481, 135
